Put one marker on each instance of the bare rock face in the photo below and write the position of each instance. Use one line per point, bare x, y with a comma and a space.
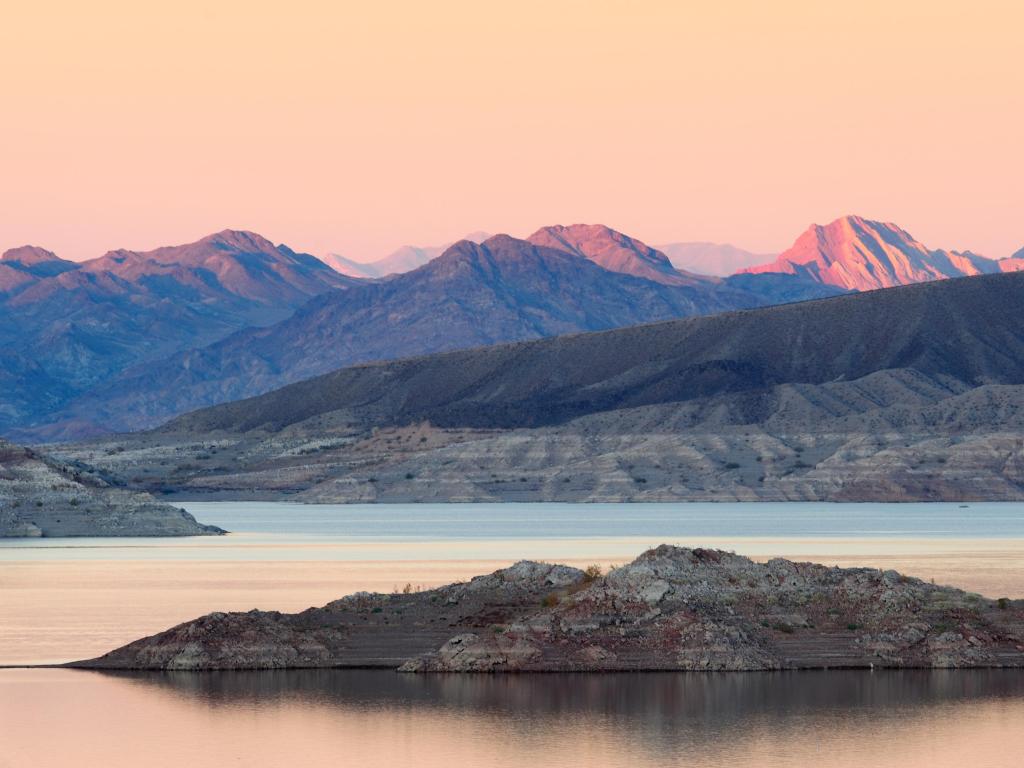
670, 609
43, 497
615, 252
853, 252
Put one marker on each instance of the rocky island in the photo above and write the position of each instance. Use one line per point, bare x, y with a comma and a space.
40, 496
670, 609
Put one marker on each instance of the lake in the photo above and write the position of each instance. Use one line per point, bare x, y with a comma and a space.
911, 719
66, 599
63, 599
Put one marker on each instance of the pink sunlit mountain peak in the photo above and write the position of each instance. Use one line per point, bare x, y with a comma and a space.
615, 252
860, 254
29, 255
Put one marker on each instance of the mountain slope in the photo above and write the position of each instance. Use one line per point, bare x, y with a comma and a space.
967, 333
615, 252
227, 266
24, 266
913, 393
504, 289
1014, 263
82, 323
859, 254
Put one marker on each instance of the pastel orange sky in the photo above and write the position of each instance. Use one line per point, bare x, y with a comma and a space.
358, 127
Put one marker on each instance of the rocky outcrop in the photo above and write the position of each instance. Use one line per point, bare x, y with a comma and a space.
43, 497
671, 609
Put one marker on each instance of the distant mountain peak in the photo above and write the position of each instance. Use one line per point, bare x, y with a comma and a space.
613, 250
404, 259
240, 240
857, 253
29, 255
709, 258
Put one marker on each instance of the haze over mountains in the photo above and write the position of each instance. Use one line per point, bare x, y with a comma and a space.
404, 259
703, 258
706, 258
129, 339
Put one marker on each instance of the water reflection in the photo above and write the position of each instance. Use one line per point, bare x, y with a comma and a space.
374, 718
683, 698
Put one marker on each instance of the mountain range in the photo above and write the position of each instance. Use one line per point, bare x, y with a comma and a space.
960, 334
909, 393
67, 326
473, 295
129, 339
703, 258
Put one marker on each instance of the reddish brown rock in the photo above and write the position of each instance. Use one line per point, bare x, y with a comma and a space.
670, 609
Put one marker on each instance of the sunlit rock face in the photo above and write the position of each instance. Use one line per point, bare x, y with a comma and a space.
859, 254
615, 252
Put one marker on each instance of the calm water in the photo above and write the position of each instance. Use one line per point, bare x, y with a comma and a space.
65, 599
394, 531
351, 718
77, 598
513, 521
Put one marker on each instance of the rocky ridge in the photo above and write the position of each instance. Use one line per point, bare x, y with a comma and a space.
910, 393
67, 327
857, 253
615, 252
473, 295
43, 497
672, 608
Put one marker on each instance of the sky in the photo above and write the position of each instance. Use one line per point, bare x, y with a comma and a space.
359, 127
